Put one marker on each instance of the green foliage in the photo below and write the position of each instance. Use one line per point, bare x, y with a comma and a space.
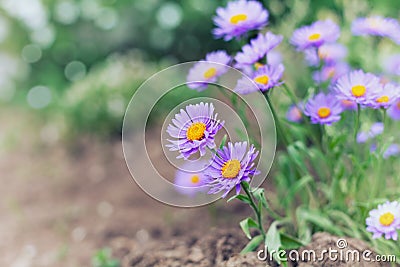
103, 258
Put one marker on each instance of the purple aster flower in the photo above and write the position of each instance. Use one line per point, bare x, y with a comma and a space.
294, 114
274, 58
385, 220
348, 104
388, 95
323, 109
376, 25
238, 18
257, 49
232, 165
391, 151
392, 65
358, 87
394, 111
315, 35
328, 53
331, 72
190, 178
208, 70
265, 78
194, 129
375, 130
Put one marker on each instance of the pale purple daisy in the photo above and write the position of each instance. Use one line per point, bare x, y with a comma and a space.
265, 78
294, 114
375, 130
348, 104
358, 87
190, 178
268, 77
239, 17
193, 130
376, 25
232, 165
274, 58
208, 70
392, 151
315, 35
323, 109
392, 65
257, 49
329, 53
394, 111
331, 72
385, 220
386, 97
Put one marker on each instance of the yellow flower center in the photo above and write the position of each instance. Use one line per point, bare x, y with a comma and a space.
324, 112
196, 131
211, 72
238, 18
263, 79
231, 169
358, 90
195, 179
398, 105
386, 219
314, 37
331, 73
258, 65
383, 99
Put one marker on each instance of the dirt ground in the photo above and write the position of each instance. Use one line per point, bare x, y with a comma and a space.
63, 201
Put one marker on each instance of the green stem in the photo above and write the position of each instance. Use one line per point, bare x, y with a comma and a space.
279, 128
357, 122
257, 212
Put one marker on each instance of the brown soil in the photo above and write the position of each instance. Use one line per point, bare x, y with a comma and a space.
61, 203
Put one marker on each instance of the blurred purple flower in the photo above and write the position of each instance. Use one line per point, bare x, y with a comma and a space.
387, 96
294, 114
392, 150
376, 25
239, 17
375, 130
331, 72
315, 35
208, 70
394, 111
392, 64
190, 178
329, 53
257, 49
323, 109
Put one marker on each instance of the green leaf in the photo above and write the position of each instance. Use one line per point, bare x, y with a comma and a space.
273, 240
259, 194
246, 224
223, 141
318, 218
252, 245
290, 242
242, 198
300, 184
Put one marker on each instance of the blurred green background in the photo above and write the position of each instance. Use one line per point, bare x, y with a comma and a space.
78, 62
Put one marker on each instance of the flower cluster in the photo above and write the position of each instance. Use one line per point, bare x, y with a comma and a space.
339, 92
385, 220
193, 130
